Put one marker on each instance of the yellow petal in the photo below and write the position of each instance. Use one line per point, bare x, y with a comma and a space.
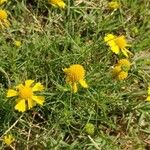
109, 37
65, 70
21, 106
12, 93
68, 80
148, 98
61, 4
115, 49
125, 52
74, 88
6, 23
39, 99
19, 86
2, 1
58, 3
38, 87
30, 103
83, 83
28, 82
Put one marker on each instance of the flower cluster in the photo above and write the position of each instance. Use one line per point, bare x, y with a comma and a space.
25, 92
29, 94
120, 71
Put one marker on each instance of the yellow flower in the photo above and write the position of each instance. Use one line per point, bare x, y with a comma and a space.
120, 71
3, 19
113, 5
8, 139
117, 44
74, 74
17, 43
122, 75
25, 93
125, 64
148, 97
57, 3
2, 1
116, 70
3, 14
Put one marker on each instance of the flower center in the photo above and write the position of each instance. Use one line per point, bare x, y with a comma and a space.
25, 92
3, 15
74, 76
121, 42
76, 73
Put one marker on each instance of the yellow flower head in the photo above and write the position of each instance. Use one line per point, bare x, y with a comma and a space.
125, 64
3, 19
8, 139
121, 69
25, 93
116, 70
57, 3
117, 44
3, 15
122, 75
17, 43
148, 97
113, 5
2, 1
74, 74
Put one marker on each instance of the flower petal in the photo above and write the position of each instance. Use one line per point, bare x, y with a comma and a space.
68, 80
31, 103
115, 49
12, 93
74, 88
19, 86
6, 23
38, 87
39, 99
125, 52
61, 4
109, 37
83, 83
148, 98
28, 82
65, 70
21, 106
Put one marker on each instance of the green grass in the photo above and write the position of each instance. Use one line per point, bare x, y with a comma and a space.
53, 39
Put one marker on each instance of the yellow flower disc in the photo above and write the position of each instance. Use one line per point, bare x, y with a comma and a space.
3, 15
122, 75
125, 64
